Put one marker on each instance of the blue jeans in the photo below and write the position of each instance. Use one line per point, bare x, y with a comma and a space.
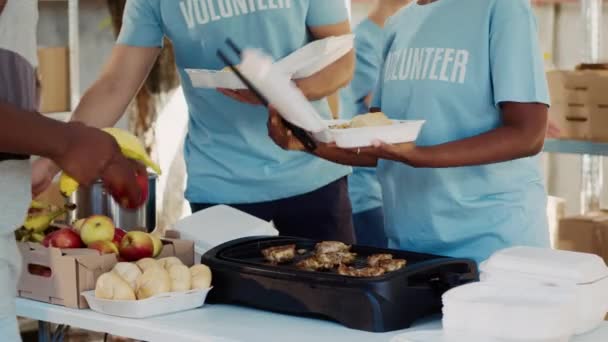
369, 228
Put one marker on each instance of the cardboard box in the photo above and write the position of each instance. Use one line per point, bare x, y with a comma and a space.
580, 104
59, 276
54, 74
588, 234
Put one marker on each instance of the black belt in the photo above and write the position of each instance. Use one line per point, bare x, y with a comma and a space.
10, 156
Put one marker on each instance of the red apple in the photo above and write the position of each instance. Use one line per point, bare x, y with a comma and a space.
118, 235
104, 247
97, 228
141, 178
63, 238
136, 245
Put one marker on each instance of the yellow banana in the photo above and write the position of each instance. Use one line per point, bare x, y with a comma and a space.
130, 147
38, 205
37, 237
40, 223
67, 185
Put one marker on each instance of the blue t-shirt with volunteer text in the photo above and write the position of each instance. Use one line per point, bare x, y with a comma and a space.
229, 156
363, 185
452, 63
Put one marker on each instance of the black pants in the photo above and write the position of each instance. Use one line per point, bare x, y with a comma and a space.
324, 214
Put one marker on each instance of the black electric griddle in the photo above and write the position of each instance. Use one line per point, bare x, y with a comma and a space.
389, 302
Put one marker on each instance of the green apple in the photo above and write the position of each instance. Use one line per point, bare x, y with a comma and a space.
97, 228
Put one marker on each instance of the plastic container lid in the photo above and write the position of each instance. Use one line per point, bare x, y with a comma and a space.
216, 225
278, 88
509, 312
560, 266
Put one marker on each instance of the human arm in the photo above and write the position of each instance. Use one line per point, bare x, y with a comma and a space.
325, 18
336, 75
69, 145
521, 135
129, 64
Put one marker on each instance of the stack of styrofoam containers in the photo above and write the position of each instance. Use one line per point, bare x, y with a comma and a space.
213, 226
530, 294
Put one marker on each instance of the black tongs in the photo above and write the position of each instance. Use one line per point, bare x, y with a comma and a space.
299, 133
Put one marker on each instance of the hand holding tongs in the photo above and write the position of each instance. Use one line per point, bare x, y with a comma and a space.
299, 133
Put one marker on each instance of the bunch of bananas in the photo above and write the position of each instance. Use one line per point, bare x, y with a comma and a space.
130, 147
39, 220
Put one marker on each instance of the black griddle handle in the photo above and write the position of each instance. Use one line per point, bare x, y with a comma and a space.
309, 143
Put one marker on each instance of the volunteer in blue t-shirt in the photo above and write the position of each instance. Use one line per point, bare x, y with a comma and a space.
363, 185
229, 157
472, 183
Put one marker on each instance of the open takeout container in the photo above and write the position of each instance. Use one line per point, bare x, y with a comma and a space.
282, 93
163, 304
302, 63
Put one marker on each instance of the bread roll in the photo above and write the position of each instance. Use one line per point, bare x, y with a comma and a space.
180, 278
147, 263
111, 286
370, 120
154, 281
169, 262
201, 277
129, 272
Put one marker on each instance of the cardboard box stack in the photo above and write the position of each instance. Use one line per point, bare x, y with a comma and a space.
59, 276
584, 233
580, 103
54, 74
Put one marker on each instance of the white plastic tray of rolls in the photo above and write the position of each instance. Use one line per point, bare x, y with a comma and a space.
164, 304
585, 275
508, 313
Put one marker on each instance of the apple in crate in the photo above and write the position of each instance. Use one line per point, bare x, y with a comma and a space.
104, 247
97, 228
118, 235
136, 245
77, 225
63, 238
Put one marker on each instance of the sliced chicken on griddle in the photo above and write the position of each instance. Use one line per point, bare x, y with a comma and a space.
336, 259
366, 272
280, 254
374, 259
325, 247
391, 265
313, 264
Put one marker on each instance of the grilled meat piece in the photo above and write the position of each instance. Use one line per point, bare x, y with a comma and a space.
366, 272
325, 247
374, 259
302, 251
336, 259
280, 254
391, 265
313, 264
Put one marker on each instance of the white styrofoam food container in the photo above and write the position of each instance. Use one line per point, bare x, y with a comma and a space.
295, 108
212, 79
509, 313
213, 226
585, 275
302, 63
401, 131
162, 304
